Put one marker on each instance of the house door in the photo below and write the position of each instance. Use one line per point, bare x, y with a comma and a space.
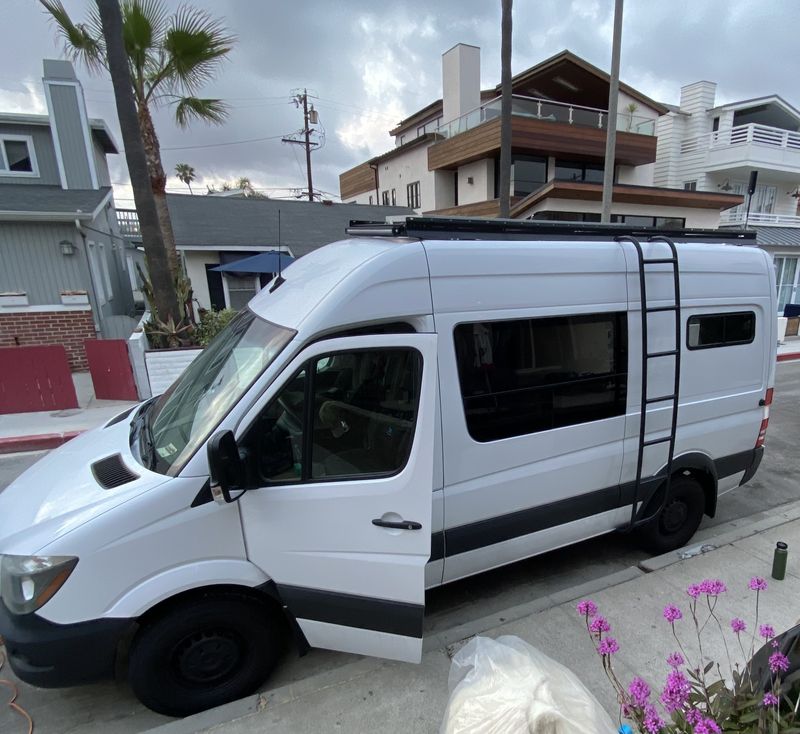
216, 291
786, 277
341, 452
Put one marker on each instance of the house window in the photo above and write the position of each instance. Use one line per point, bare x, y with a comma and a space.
17, 156
579, 171
763, 200
362, 424
530, 375
528, 173
412, 195
239, 289
394, 198
786, 279
637, 220
385, 198
690, 185
720, 330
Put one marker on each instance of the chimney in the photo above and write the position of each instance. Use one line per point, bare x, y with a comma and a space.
461, 81
69, 124
696, 100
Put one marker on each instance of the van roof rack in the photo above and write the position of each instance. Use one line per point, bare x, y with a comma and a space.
464, 228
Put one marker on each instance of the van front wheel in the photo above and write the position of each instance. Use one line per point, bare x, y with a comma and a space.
675, 525
204, 653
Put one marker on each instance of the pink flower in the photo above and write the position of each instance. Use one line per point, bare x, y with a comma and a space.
758, 584
599, 625
640, 692
676, 691
738, 625
770, 699
778, 662
652, 721
707, 726
693, 717
694, 590
608, 646
767, 631
675, 660
712, 587
587, 608
672, 614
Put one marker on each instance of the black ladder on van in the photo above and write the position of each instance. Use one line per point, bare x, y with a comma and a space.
673, 398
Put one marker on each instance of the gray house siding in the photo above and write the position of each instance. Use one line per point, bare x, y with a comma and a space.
44, 150
66, 111
32, 261
100, 164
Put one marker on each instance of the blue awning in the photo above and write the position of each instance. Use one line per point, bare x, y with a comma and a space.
264, 262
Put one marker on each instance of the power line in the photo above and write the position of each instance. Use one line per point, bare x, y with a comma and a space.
219, 145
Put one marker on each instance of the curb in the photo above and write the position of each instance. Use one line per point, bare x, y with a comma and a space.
37, 442
789, 356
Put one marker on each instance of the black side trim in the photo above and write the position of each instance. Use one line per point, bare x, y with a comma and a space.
50, 655
758, 454
271, 590
349, 610
437, 546
203, 496
729, 465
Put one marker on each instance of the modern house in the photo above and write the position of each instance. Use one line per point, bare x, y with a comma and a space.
64, 275
218, 230
706, 147
445, 157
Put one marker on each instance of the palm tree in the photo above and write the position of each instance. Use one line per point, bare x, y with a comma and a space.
185, 173
170, 57
165, 299
505, 109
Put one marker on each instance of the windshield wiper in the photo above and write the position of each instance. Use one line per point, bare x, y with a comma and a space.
144, 437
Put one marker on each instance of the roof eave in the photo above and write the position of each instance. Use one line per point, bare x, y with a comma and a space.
20, 216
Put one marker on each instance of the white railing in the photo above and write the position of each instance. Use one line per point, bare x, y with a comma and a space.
542, 109
760, 218
128, 221
773, 137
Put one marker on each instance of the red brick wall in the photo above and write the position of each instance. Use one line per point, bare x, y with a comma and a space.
70, 328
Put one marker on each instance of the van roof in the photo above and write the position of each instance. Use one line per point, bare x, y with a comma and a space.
464, 228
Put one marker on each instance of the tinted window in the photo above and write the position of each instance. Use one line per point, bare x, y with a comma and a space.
529, 375
529, 173
720, 330
344, 414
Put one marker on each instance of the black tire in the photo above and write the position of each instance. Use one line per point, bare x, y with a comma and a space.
678, 521
203, 653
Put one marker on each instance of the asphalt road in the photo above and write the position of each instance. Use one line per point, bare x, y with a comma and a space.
111, 708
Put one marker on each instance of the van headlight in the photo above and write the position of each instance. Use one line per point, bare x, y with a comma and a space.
28, 582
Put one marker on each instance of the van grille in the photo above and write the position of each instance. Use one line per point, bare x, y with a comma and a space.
111, 472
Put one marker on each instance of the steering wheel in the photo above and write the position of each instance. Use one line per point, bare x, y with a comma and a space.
291, 410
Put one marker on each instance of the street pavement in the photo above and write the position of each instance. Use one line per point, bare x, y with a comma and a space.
111, 708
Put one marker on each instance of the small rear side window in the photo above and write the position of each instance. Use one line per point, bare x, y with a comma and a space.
720, 330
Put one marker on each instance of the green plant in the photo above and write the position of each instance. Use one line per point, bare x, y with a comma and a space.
211, 323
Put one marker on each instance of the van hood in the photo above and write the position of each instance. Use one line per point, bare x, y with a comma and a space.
59, 493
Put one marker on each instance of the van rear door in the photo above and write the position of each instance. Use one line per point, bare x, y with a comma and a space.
343, 447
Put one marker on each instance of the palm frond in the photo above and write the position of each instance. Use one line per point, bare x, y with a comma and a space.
195, 44
194, 108
144, 23
81, 41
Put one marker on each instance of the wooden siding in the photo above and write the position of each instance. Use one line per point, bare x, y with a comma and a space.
356, 181
489, 208
646, 195
45, 154
541, 137
66, 113
32, 261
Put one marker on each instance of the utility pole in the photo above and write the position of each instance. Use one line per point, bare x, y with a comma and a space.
611, 126
309, 117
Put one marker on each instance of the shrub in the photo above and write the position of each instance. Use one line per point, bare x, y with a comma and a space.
211, 323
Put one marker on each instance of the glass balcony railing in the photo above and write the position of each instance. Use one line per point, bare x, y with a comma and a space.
541, 109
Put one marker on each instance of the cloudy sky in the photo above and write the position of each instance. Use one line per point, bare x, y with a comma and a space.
369, 64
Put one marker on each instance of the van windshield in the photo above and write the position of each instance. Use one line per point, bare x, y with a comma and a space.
179, 421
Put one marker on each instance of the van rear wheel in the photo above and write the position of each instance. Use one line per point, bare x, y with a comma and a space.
204, 653
675, 525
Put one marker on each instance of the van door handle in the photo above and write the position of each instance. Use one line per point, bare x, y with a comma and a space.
397, 525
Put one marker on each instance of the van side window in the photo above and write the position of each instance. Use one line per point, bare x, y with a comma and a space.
720, 330
529, 375
345, 414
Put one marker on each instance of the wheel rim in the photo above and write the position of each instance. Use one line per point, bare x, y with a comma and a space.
207, 657
674, 516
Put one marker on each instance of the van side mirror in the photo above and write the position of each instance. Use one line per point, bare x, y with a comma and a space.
226, 467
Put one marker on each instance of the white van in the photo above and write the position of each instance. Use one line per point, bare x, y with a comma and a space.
422, 402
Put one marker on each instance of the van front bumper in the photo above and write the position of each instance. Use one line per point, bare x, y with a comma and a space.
50, 655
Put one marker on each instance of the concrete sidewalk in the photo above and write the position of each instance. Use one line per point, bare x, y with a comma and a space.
373, 695
47, 430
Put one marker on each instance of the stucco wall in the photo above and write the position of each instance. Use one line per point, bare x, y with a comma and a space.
195, 263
